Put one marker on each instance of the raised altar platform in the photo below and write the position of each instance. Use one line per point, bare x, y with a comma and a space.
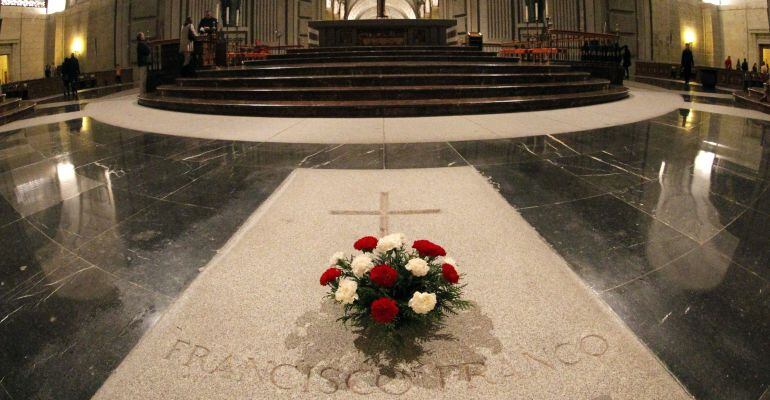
382, 32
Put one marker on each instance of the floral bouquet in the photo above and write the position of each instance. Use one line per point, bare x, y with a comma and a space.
391, 289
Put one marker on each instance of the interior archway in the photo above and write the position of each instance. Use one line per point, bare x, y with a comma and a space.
367, 9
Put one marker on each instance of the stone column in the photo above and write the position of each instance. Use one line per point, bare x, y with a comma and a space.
381, 9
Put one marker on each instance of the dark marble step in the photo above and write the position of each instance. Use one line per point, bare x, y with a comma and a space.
9, 104
378, 48
378, 58
385, 68
386, 80
23, 110
382, 108
381, 92
386, 52
751, 100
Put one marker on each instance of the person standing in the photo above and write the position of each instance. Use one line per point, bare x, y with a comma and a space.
47, 70
74, 75
688, 61
208, 23
143, 53
745, 66
187, 45
626, 60
65, 76
728, 63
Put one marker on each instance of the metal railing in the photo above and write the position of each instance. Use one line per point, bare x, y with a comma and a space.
563, 45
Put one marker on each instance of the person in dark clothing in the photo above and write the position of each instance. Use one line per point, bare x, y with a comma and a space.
626, 60
74, 75
688, 61
47, 71
754, 68
208, 23
65, 76
143, 53
745, 66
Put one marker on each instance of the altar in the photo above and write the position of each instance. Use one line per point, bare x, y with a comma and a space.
382, 32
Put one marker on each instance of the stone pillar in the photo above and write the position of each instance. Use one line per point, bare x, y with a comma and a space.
381, 9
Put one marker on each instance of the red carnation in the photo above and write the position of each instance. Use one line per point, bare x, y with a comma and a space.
427, 248
366, 243
383, 275
450, 273
384, 310
330, 275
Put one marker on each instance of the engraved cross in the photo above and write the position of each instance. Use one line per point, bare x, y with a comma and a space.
384, 212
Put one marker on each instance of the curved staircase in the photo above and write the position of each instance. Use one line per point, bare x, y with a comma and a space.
13, 108
382, 81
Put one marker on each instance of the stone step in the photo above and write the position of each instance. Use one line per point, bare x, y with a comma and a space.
385, 68
381, 92
377, 58
751, 100
378, 48
382, 108
9, 104
385, 52
23, 110
385, 80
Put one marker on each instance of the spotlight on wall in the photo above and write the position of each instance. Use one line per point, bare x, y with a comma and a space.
78, 45
689, 36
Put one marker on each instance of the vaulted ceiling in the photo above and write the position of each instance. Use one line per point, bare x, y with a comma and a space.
367, 9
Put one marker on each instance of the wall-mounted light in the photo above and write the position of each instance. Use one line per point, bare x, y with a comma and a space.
689, 36
78, 45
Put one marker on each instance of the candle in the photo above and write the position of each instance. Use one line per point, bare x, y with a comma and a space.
238, 18
217, 14
227, 16
526, 12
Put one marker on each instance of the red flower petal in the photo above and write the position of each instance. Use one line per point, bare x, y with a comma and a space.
427, 248
383, 275
366, 243
450, 273
384, 310
330, 275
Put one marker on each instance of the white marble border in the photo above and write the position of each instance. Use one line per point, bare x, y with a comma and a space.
645, 102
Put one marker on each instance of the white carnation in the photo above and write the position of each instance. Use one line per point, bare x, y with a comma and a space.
391, 242
422, 303
336, 257
346, 292
361, 265
418, 267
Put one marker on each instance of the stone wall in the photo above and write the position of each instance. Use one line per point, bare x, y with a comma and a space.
744, 26
737, 28
23, 39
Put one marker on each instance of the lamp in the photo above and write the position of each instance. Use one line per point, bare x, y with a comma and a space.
78, 45
689, 35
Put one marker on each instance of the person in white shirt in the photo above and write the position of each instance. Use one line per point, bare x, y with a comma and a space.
187, 43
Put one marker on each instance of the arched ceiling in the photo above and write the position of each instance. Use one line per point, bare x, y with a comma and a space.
367, 9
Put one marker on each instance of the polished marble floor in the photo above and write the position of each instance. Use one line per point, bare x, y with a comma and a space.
102, 228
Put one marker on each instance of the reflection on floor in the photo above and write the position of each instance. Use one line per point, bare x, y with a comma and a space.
101, 228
